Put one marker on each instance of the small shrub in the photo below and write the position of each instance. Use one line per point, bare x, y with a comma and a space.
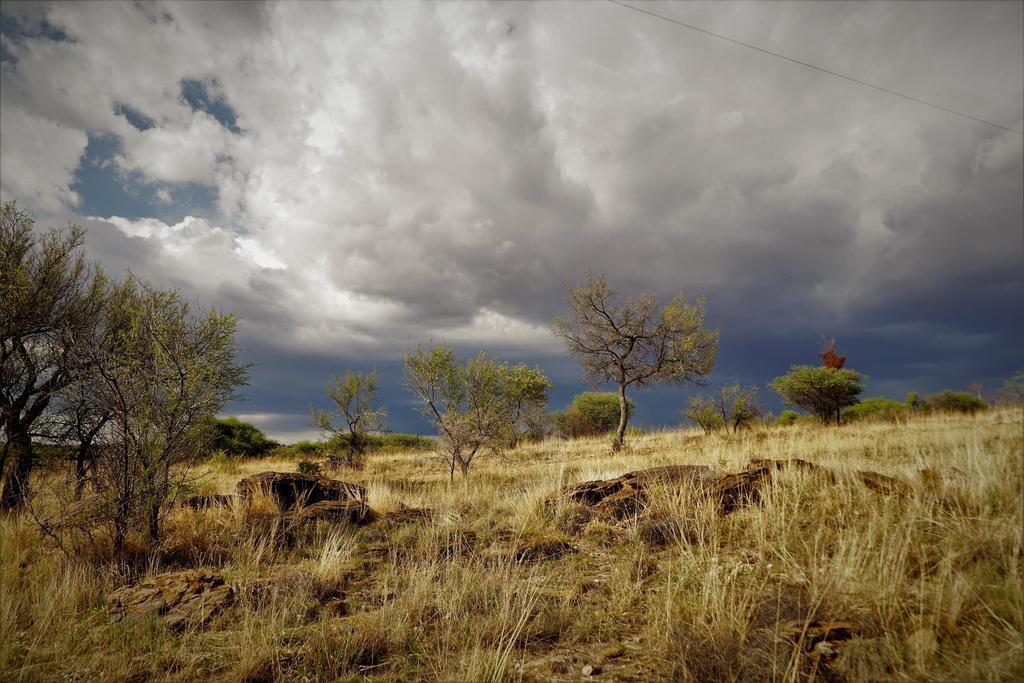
354, 459
309, 467
592, 413
306, 448
948, 401
877, 409
787, 418
241, 439
703, 411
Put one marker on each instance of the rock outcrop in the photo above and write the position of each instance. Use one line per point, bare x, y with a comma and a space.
179, 598
293, 489
626, 495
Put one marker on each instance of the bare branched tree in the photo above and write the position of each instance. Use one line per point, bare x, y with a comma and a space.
636, 343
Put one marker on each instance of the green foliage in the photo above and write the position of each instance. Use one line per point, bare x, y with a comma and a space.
306, 447
240, 439
388, 443
735, 406
823, 392
877, 409
469, 403
372, 443
354, 397
948, 401
221, 462
703, 411
161, 371
913, 400
50, 302
591, 413
527, 391
786, 418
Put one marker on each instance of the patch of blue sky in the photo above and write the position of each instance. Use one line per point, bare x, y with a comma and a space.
15, 31
136, 118
198, 96
106, 190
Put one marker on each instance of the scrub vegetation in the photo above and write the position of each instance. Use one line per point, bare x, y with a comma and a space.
495, 585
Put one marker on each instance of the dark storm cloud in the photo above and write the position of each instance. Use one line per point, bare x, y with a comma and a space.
367, 176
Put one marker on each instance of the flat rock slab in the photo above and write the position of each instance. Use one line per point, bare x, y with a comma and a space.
343, 511
406, 515
179, 598
293, 489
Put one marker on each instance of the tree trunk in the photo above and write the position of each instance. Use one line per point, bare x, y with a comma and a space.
83, 463
620, 433
15, 479
154, 523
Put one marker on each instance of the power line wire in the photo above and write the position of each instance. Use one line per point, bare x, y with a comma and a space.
817, 68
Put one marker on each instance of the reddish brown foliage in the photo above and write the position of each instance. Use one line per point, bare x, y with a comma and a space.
830, 357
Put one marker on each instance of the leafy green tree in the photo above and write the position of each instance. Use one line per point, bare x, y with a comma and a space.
823, 392
162, 370
591, 413
467, 403
50, 300
527, 391
238, 438
355, 403
636, 343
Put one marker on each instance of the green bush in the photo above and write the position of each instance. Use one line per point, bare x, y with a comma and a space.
877, 409
948, 401
592, 413
786, 418
240, 439
306, 447
389, 443
703, 411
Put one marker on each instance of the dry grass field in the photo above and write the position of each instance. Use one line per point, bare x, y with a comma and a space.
495, 586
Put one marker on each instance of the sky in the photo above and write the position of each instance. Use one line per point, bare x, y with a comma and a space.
356, 178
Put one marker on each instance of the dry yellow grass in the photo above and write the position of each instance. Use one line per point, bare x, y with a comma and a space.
933, 581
